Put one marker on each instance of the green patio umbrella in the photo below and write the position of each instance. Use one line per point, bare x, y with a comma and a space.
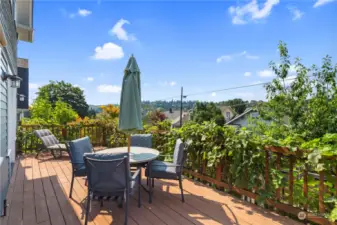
130, 115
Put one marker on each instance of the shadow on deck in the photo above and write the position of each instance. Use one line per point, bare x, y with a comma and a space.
39, 189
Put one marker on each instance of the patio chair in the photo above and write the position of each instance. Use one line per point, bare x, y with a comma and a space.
141, 140
109, 175
77, 148
49, 143
168, 170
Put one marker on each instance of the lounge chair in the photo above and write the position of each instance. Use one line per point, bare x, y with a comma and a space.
49, 143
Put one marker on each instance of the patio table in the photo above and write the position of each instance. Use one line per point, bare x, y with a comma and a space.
139, 156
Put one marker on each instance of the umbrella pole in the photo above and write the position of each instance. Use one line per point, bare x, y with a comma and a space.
129, 143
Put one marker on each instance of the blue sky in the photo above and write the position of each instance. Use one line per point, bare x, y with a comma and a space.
200, 45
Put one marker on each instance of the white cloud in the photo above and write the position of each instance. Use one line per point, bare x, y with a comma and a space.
120, 32
80, 12
167, 83
290, 80
247, 74
292, 70
296, 13
90, 78
107, 88
213, 94
223, 58
76, 85
265, 73
248, 56
269, 73
245, 54
322, 2
108, 51
83, 12
251, 11
33, 86
257, 82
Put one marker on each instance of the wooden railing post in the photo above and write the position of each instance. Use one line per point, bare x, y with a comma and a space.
64, 133
218, 173
291, 179
278, 167
104, 136
228, 173
305, 186
336, 181
266, 174
204, 166
321, 192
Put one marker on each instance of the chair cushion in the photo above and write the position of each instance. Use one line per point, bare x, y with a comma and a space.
47, 138
141, 140
80, 170
178, 155
164, 170
58, 146
78, 148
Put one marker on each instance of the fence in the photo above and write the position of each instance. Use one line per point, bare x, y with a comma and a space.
100, 135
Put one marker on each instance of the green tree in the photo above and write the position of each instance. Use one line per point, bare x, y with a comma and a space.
207, 112
63, 113
304, 103
69, 94
42, 112
41, 109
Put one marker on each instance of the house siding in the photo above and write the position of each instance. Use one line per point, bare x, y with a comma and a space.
4, 167
8, 25
8, 64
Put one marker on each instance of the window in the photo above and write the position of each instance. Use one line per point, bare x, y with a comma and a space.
228, 115
255, 114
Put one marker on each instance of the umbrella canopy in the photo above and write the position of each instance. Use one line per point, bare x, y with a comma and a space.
130, 116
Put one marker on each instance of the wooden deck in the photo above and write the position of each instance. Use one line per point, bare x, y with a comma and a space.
38, 195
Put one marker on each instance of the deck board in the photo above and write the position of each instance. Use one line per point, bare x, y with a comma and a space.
39, 190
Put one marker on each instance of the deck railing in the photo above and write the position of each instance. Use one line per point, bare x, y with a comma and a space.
99, 135
281, 159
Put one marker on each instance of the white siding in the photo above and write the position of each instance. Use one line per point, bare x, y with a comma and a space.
3, 109
4, 163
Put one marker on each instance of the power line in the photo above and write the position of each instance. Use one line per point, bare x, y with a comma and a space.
238, 87
225, 89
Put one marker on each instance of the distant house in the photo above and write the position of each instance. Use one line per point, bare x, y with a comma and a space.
242, 119
174, 117
227, 112
23, 90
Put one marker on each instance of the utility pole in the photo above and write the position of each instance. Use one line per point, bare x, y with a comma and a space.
181, 106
